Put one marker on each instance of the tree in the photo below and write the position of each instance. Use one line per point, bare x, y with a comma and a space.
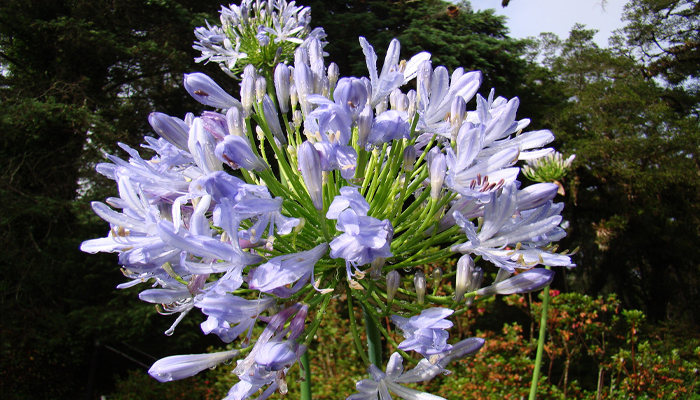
664, 36
76, 77
453, 33
635, 189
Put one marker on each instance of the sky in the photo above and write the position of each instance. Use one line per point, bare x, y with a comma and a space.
530, 17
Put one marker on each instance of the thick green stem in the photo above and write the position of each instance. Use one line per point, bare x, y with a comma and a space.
306, 383
374, 337
540, 344
355, 334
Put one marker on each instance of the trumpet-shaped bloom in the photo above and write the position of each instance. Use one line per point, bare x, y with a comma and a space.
425, 333
364, 238
228, 315
526, 231
382, 383
272, 276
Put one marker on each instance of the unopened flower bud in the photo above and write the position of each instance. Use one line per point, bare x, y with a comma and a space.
310, 166
301, 56
392, 284
474, 282
303, 80
376, 268
465, 266
207, 92
420, 286
172, 129
438, 169
234, 121
502, 275
260, 88
278, 55
476, 279
411, 96
525, 282
409, 158
248, 89
297, 118
393, 98
236, 152
178, 367
364, 126
263, 39
436, 275
272, 119
282, 83
333, 74
293, 96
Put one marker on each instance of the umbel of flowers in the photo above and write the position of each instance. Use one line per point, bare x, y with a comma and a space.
254, 217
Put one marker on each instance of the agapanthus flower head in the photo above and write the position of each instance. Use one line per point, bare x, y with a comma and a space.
257, 33
251, 217
550, 168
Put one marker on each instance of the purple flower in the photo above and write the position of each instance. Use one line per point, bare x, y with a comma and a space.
504, 225
270, 358
382, 383
229, 315
272, 276
389, 125
178, 367
425, 333
364, 238
310, 166
528, 281
236, 152
207, 92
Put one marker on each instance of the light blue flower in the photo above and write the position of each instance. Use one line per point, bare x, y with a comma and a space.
228, 315
207, 92
524, 282
364, 238
382, 383
178, 367
274, 275
527, 231
425, 333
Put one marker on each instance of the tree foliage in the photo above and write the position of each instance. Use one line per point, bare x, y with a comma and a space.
454, 34
635, 191
77, 76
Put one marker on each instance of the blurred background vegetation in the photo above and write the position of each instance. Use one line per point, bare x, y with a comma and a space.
77, 76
